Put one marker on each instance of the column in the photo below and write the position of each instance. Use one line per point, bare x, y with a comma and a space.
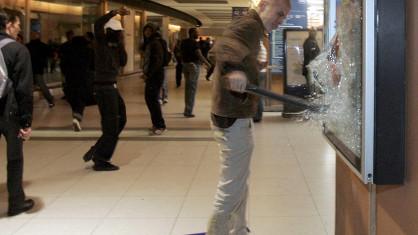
129, 27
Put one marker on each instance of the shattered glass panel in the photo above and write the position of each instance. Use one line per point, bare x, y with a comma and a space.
338, 72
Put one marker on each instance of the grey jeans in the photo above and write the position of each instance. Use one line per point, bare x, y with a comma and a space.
236, 144
191, 73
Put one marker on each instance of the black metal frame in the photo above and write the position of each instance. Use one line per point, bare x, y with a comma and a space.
389, 95
389, 155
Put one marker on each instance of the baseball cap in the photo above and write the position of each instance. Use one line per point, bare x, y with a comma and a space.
113, 24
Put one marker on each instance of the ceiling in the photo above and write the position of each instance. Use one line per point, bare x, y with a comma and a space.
217, 13
212, 13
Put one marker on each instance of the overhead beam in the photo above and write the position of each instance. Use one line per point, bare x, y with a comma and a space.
161, 9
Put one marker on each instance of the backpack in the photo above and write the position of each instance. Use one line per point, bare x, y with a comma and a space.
5, 82
166, 53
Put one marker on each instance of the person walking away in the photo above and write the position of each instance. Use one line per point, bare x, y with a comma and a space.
110, 56
232, 111
39, 53
16, 106
310, 52
179, 63
78, 60
192, 57
153, 76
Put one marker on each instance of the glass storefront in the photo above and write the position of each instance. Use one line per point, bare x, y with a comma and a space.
53, 18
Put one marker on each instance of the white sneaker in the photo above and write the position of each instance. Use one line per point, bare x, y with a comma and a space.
76, 125
165, 101
158, 131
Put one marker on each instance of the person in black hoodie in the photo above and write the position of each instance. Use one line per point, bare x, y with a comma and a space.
154, 75
79, 60
110, 56
15, 108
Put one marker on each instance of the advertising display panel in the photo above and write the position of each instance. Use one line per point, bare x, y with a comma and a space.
365, 78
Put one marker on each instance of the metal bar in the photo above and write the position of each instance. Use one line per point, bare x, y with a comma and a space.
285, 98
372, 209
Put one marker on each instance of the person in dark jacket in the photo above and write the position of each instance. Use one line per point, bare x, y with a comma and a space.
153, 75
16, 109
310, 52
79, 59
110, 56
179, 63
39, 53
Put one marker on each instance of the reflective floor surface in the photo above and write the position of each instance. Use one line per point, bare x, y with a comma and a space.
166, 184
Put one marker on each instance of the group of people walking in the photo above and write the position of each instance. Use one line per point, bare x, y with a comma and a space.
76, 62
231, 114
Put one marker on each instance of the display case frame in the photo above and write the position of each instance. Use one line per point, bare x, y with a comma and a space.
382, 158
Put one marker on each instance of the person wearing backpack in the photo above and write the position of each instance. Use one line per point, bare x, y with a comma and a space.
16, 106
153, 70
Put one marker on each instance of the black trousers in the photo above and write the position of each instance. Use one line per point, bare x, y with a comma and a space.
179, 69
10, 130
113, 119
210, 70
152, 91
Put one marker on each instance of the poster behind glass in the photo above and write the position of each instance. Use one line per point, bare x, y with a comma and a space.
345, 114
296, 19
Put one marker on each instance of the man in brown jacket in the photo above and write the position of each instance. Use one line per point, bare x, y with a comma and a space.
233, 109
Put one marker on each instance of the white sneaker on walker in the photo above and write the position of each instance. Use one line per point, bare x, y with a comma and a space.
76, 125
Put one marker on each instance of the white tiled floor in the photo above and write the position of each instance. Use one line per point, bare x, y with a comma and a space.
166, 187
